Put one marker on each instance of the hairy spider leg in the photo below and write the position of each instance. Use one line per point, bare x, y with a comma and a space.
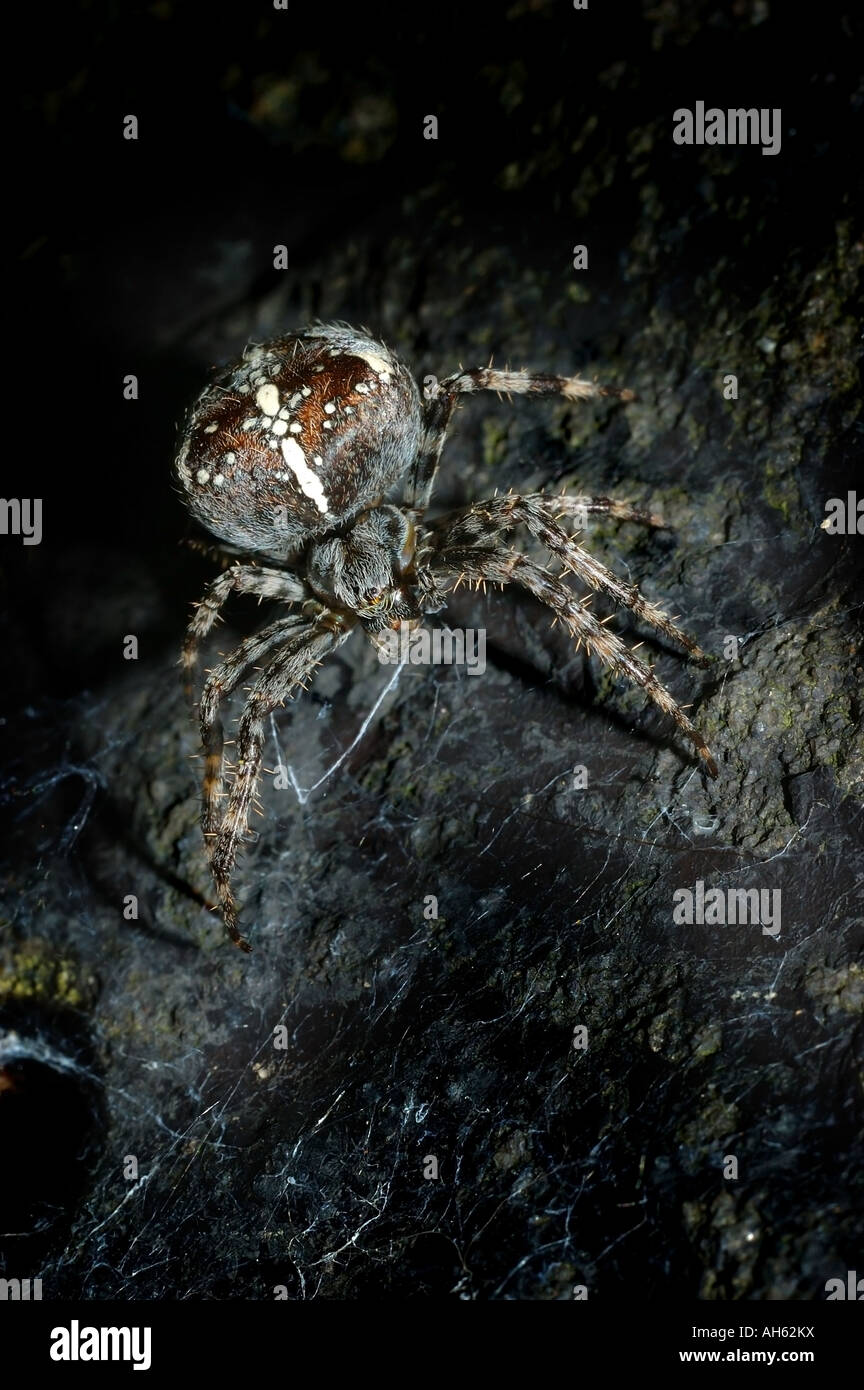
441, 400
220, 682
539, 512
243, 579
510, 566
289, 669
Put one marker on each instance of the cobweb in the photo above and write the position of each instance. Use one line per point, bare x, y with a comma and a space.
392, 1096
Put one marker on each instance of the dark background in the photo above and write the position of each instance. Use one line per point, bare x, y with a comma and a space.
258, 128
449, 1037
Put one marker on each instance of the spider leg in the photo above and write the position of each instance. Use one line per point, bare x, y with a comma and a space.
540, 513
220, 682
441, 400
472, 525
286, 671
245, 579
510, 566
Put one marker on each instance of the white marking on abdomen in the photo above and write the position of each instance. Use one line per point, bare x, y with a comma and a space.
267, 398
308, 482
377, 363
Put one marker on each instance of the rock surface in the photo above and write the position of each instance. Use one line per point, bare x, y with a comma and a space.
449, 901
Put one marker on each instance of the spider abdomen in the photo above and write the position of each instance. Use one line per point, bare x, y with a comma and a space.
296, 436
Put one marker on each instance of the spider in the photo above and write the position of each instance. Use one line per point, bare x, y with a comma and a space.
312, 460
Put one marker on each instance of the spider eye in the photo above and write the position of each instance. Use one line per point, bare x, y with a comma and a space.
374, 599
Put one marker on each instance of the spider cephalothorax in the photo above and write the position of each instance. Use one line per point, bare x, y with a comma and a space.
312, 460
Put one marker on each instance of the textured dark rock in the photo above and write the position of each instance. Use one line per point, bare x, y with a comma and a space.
452, 1036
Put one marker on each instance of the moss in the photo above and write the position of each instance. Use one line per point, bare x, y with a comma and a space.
716, 1120
634, 886
781, 492
696, 431
707, 1041
34, 973
494, 441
